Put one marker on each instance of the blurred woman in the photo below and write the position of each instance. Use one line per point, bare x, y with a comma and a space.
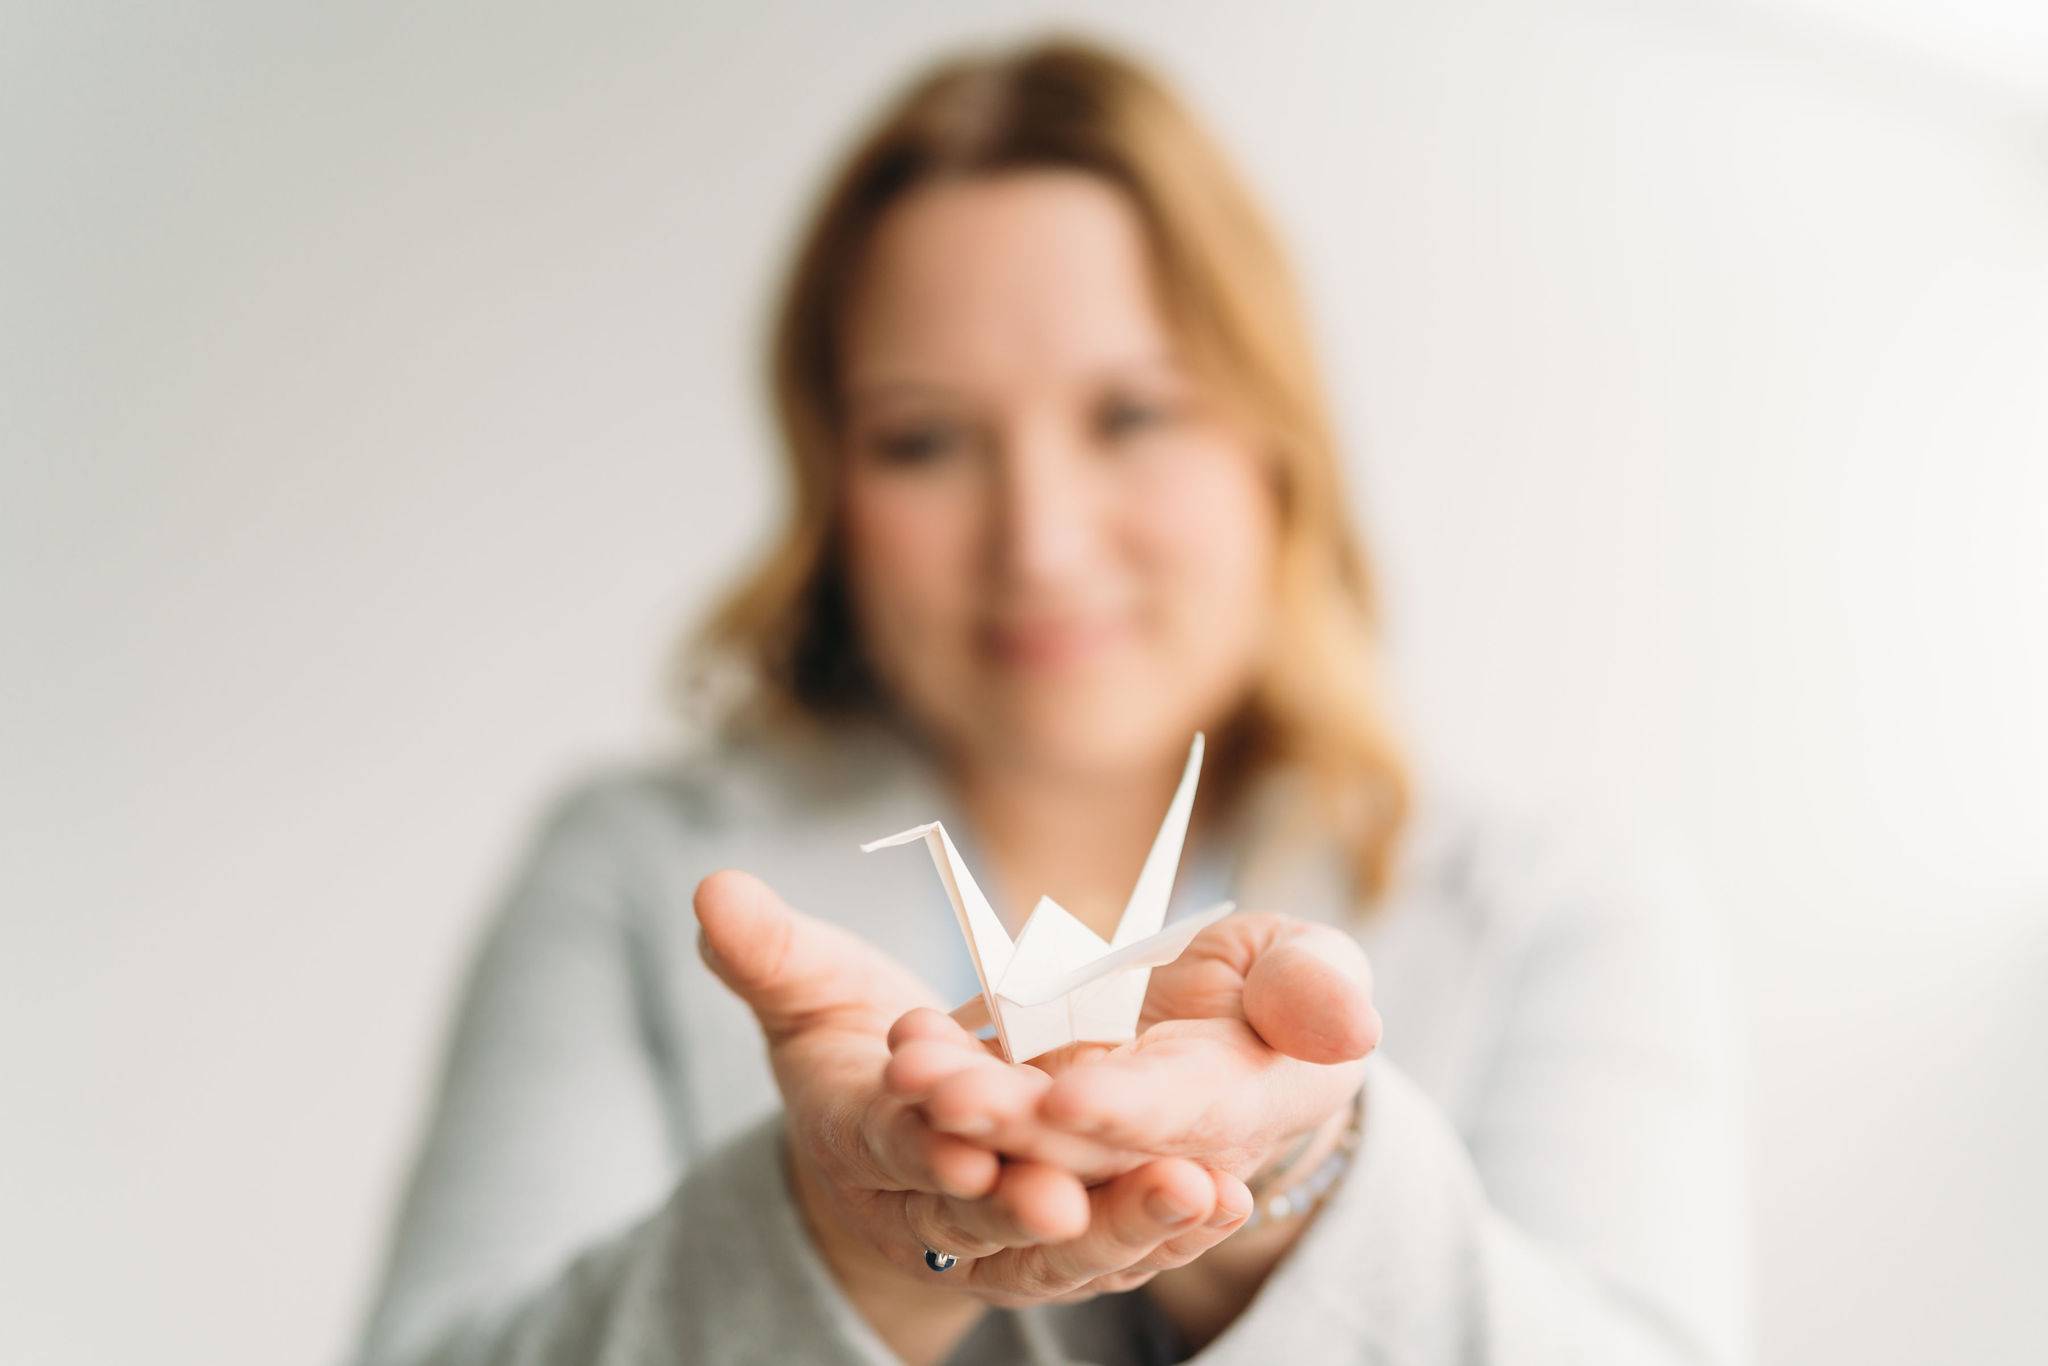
1065, 494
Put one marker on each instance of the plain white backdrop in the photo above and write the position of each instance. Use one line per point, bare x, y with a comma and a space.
379, 394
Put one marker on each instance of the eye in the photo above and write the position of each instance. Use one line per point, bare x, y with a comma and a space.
1128, 417
917, 445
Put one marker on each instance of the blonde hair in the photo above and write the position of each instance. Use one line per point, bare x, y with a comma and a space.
1317, 708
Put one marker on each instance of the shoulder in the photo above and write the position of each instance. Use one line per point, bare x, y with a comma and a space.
717, 789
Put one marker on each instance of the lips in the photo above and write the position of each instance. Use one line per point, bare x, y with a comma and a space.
1050, 642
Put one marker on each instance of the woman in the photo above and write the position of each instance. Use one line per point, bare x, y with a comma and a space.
1066, 494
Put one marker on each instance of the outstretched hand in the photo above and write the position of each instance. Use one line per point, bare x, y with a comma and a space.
877, 1184
1254, 1036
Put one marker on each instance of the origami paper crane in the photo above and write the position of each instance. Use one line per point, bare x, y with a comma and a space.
1059, 982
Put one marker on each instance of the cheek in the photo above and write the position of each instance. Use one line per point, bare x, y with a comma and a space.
1209, 536
908, 548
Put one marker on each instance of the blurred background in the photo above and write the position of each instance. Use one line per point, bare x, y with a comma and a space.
379, 394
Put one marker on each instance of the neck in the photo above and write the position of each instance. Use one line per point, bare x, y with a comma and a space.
1078, 840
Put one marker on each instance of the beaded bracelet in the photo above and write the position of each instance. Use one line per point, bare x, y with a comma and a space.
1273, 1173
1304, 1195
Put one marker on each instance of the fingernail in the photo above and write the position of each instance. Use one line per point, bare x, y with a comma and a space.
1224, 1218
968, 1126
1168, 1208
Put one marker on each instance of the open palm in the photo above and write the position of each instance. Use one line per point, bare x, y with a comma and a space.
1255, 1034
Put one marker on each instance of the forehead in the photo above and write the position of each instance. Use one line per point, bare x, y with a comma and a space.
1024, 275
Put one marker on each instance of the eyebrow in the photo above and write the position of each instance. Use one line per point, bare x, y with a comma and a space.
891, 384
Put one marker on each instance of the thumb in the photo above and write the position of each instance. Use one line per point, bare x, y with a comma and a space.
792, 969
1309, 995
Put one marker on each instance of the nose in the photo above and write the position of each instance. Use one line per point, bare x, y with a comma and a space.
1047, 511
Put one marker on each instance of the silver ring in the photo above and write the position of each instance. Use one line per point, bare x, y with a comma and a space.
939, 1261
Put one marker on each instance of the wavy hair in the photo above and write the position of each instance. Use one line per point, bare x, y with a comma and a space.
786, 633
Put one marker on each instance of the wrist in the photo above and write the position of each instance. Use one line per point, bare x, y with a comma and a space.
921, 1321
1296, 1190
1297, 1158
1285, 1203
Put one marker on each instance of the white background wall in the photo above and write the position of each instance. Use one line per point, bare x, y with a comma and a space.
378, 392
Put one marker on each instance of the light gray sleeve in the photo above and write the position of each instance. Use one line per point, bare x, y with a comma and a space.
1591, 1211
549, 1218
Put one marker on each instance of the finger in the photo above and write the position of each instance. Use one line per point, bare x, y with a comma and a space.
1031, 1204
1313, 999
1310, 996
1128, 1218
1207, 980
918, 1066
995, 1104
991, 1103
1233, 1207
1172, 1087
977, 1098
928, 1023
789, 968
1188, 1085
897, 1150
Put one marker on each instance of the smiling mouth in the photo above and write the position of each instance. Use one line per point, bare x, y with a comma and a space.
1050, 644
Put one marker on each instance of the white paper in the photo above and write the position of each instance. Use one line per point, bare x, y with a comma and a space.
1059, 982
